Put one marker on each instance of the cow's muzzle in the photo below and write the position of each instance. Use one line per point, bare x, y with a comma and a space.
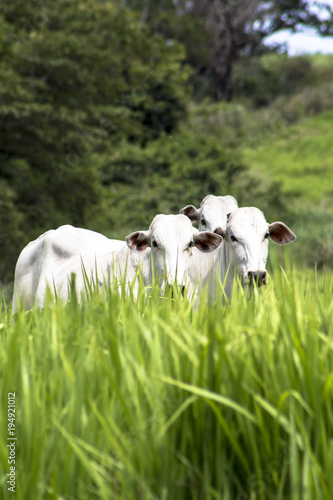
172, 289
257, 277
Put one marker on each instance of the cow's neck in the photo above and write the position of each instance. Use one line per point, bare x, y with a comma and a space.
227, 270
141, 263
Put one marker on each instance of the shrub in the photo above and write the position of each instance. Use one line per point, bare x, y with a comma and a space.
308, 102
164, 176
263, 79
314, 229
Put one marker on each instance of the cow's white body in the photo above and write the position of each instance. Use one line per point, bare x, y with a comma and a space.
164, 251
243, 253
50, 260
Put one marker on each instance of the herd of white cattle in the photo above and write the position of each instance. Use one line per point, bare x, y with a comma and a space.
230, 241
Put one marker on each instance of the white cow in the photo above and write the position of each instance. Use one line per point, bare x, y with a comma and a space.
212, 214
164, 251
243, 253
50, 260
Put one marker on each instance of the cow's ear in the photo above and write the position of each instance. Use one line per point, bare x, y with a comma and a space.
191, 212
280, 233
138, 241
207, 242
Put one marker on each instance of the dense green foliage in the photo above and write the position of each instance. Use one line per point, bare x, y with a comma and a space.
217, 34
107, 118
264, 79
76, 78
104, 123
165, 176
286, 146
152, 400
306, 153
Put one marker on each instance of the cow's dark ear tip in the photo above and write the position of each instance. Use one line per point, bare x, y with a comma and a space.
206, 241
221, 232
191, 212
139, 241
280, 233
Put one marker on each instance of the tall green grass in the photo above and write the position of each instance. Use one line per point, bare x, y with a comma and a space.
157, 400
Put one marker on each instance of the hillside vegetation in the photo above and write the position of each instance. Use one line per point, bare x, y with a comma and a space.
109, 115
106, 123
287, 150
300, 158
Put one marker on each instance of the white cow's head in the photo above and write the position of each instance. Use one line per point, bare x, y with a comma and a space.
212, 214
246, 237
171, 239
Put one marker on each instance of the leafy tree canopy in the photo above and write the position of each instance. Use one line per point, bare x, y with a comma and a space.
75, 78
217, 33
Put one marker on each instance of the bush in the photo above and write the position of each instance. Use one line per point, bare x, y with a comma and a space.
175, 171
164, 176
11, 234
263, 79
308, 102
314, 229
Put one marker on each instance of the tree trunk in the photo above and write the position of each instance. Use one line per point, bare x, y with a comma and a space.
223, 80
222, 62
145, 12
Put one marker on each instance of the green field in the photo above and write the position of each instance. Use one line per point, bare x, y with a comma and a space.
300, 157
155, 400
110, 113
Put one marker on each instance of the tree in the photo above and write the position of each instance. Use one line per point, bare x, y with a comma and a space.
76, 78
239, 27
230, 29
165, 175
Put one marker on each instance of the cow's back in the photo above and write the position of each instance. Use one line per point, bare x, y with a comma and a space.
51, 259
27, 272
203, 271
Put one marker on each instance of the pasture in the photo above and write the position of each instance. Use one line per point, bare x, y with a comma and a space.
156, 401
106, 123
299, 157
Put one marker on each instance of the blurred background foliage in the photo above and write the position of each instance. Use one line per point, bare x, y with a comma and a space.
113, 111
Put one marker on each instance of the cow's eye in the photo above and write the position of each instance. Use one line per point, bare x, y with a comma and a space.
203, 222
155, 245
191, 244
266, 236
233, 239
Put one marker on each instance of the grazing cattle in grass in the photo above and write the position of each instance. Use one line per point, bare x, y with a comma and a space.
171, 240
164, 251
243, 253
212, 214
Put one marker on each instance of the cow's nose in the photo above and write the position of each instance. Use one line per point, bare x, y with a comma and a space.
258, 277
181, 289
171, 289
